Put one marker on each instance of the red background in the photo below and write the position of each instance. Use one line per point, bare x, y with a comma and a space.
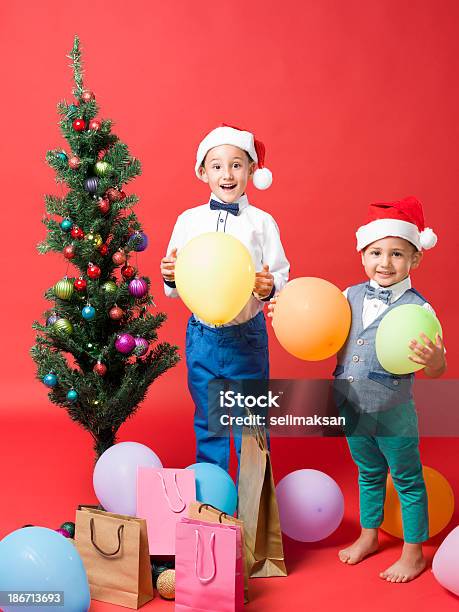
356, 101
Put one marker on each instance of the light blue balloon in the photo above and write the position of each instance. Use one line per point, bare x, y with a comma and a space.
214, 486
40, 559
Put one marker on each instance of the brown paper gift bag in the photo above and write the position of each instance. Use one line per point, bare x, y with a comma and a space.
257, 507
114, 550
206, 512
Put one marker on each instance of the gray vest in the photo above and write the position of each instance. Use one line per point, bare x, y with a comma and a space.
359, 377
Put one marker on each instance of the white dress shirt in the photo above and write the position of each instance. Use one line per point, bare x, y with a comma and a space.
255, 228
372, 308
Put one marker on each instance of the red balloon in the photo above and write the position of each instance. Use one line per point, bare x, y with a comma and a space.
79, 125
93, 271
80, 284
103, 249
128, 272
69, 252
94, 125
103, 205
100, 369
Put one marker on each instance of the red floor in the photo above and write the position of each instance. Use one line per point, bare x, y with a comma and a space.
47, 468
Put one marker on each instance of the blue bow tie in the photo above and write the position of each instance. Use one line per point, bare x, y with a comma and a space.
231, 208
373, 293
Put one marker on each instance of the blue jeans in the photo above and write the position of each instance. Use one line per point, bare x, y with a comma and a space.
232, 352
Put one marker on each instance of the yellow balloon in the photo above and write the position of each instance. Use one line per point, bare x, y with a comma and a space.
440, 498
215, 276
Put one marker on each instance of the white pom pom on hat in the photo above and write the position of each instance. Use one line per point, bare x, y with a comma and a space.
227, 134
403, 219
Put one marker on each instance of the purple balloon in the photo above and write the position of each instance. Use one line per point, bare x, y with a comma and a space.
138, 287
446, 562
125, 343
141, 346
311, 505
115, 475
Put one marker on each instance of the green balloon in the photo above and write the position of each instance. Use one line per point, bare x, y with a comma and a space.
397, 328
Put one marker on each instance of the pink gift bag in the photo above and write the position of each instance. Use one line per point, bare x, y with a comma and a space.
209, 573
163, 497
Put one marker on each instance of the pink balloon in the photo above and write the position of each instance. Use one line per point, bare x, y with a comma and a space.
445, 563
311, 505
115, 475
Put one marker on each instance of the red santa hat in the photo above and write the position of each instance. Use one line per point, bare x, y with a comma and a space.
226, 134
403, 219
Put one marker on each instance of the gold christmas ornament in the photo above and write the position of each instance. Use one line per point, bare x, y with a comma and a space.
166, 584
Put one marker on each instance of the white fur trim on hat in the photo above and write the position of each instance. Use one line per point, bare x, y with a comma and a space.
225, 135
381, 228
262, 178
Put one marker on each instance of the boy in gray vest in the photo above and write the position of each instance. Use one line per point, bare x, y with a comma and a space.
381, 422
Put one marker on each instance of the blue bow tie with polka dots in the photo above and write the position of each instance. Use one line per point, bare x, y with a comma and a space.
375, 293
231, 208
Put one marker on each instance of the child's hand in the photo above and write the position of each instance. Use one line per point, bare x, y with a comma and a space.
430, 355
264, 282
168, 265
272, 305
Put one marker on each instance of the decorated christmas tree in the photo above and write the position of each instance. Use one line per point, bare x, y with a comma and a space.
97, 351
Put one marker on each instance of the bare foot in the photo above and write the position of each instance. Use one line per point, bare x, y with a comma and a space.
408, 567
365, 545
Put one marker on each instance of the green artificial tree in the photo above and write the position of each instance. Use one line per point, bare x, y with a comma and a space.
98, 351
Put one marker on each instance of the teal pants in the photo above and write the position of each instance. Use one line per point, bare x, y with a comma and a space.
385, 441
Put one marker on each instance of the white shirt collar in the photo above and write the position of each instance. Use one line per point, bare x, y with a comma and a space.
243, 201
397, 290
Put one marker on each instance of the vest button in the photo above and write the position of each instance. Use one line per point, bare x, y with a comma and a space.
355, 358
360, 341
350, 379
395, 382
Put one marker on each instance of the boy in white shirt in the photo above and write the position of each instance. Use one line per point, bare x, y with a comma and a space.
226, 161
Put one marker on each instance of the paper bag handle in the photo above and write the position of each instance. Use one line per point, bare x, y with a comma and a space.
93, 540
183, 506
217, 509
212, 545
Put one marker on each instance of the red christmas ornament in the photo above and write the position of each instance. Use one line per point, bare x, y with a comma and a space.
119, 257
103, 249
102, 153
87, 96
113, 194
79, 125
93, 271
94, 125
100, 368
103, 205
77, 233
74, 162
69, 251
122, 194
80, 284
128, 272
115, 313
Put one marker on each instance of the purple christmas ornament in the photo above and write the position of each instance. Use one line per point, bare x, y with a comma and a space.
63, 532
125, 344
51, 319
139, 241
91, 184
138, 287
141, 346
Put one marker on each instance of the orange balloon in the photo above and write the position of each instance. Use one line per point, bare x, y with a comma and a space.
440, 498
312, 318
